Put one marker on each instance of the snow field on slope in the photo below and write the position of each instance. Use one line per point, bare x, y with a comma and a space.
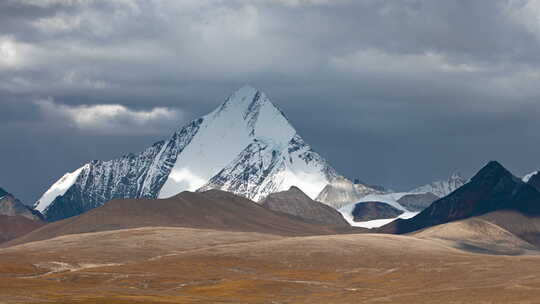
389, 198
57, 189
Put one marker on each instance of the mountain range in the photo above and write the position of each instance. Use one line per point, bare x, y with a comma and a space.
245, 146
493, 193
385, 206
236, 200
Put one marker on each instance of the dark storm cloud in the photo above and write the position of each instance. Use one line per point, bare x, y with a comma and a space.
394, 92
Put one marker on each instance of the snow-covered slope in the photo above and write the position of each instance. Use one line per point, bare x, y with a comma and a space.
442, 188
263, 168
246, 146
58, 189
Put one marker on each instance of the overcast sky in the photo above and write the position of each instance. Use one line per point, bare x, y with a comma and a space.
397, 93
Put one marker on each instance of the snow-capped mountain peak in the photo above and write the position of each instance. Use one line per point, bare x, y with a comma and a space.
442, 188
246, 145
246, 116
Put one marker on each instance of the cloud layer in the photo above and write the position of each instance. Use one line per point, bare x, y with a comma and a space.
108, 119
394, 92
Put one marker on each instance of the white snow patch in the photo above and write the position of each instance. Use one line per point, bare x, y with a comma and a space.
376, 223
58, 189
389, 198
527, 177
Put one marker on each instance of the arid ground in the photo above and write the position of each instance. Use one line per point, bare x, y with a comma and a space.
184, 265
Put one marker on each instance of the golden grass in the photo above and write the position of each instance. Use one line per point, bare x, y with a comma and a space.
330, 269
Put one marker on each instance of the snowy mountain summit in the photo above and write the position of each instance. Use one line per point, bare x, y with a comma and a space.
246, 146
442, 188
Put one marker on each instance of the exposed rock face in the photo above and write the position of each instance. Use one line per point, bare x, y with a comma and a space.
261, 169
16, 219
417, 202
367, 211
133, 175
245, 146
297, 203
493, 188
11, 206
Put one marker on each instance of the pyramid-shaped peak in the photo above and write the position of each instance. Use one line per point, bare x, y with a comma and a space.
246, 95
245, 100
494, 165
246, 90
492, 169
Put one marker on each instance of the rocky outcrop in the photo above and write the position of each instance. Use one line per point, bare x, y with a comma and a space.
368, 211
417, 201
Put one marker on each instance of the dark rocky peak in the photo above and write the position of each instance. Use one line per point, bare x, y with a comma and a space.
535, 181
493, 188
368, 211
3, 192
493, 172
